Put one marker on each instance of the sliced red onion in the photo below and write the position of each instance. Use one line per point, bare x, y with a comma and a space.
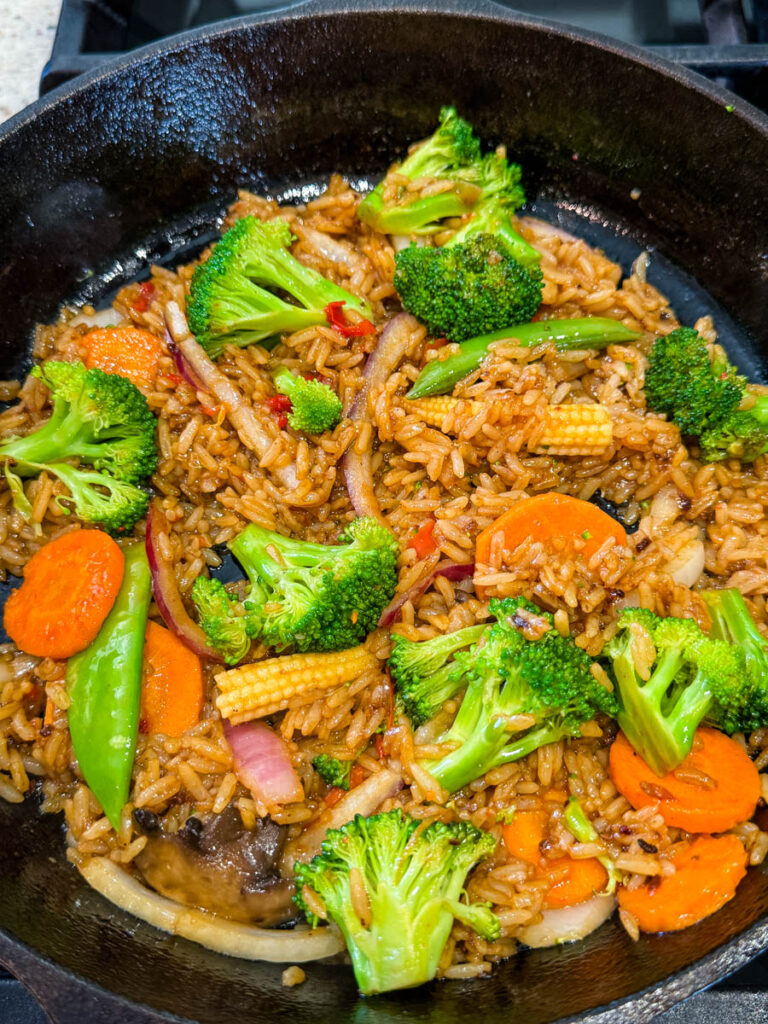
263, 763
451, 570
381, 363
166, 591
181, 364
364, 799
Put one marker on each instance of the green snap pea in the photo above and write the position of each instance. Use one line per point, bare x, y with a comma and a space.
104, 685
440, 376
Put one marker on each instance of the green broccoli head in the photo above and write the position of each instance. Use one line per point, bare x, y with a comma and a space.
452, 153
332, 771
467, 289
223, 625
547, 680
423, 674
100, 418
96, 498
315, 406
683, 382
317, 597
671, 677
742, 434
413, 881
732, 623
232, 300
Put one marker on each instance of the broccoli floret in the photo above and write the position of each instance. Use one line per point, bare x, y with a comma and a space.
501, 196
683, 381
451, 153
95, 497
732, 623
413, 881
486, 277
314, 406
468, 289
423, 675
101, 418
231, 300
742, 434
671, 677
548, 679
316, 597
332, 771
226, 630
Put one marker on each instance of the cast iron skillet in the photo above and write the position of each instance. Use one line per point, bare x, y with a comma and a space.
133, 163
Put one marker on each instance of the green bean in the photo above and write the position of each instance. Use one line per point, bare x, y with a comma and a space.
104, 685
441, 376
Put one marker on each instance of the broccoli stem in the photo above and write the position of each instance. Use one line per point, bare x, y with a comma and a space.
496, 221
441, 376
732, 622
639, 713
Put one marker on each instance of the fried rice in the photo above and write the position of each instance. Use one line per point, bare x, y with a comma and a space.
211, 487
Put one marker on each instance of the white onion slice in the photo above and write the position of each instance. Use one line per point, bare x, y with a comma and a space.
688, 564
101, 318
364, 799
381, 363
290, 945
236, 406
569, 924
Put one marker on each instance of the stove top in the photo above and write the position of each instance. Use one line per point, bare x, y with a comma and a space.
724, 39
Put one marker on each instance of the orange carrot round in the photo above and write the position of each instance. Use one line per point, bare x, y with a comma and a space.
706, 875
524, 834
572, 881
555, 518
128, 351
713, 789
172, 686
69, 588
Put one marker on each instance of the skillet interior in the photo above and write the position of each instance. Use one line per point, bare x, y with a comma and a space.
141, 159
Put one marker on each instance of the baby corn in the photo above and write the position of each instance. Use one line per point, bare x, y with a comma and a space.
582, 429
265, 687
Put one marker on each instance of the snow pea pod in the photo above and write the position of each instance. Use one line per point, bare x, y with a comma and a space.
441, 376
104, 685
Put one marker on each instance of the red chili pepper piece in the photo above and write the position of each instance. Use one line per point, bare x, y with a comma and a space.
438, 342
423, 543
379, 745
146, 293
333, 796
334, 314
356, 776
279, 403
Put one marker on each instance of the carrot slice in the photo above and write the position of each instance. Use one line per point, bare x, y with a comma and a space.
706, 875
524, 834
714, 788
69, 588
551, 517
572, 881
172, 686
128, 351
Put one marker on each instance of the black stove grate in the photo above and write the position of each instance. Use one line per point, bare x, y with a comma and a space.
722, 39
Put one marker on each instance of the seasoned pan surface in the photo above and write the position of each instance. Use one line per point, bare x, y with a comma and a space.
133, 164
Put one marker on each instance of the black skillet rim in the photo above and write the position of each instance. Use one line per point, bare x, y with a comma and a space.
713, 967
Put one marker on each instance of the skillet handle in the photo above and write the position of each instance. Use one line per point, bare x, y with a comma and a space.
64, 998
